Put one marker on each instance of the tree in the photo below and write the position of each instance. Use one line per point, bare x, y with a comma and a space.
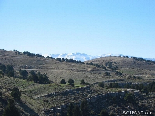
1, 73
58, 59
9, 71
129, 97
82, 81
38, 78
70, 110
63, 81
104, 113
23, 73
16, 93
11, 110
101, 84
76, 111
84, 108
71, 82
2, 67
34, 77
62, 59
42, 78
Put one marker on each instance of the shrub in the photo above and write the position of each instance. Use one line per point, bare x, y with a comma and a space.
82, 81
63, 81
16, 93
101, 84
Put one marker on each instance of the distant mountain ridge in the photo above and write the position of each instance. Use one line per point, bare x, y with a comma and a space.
85, 57
75, 56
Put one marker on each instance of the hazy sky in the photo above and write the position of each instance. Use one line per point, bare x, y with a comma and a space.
88, 26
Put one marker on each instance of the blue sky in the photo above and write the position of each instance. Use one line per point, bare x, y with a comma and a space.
93, 27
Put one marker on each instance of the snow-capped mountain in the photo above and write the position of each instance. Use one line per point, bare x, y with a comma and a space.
84, 57
80, 56
75, 56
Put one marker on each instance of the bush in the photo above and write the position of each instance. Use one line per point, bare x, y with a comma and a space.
129, 97
23, 73
16, 93
82, 81
11, 110
101, 84
104, 113
63, 81
71, 81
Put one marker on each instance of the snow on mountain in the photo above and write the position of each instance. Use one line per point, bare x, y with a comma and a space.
153, 59
76, 56
80, 56
84, 57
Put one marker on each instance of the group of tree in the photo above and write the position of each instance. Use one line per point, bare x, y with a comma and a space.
69, 60
143, 88
70, 82
75, 110
142, 59
7, 70
32, 54
10, 109
114, 85
38, 78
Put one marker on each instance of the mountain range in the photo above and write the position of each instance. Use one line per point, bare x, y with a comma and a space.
85, 57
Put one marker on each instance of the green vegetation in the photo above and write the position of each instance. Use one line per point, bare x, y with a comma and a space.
103, 113
15, 93
23, 73
63, 81
74, 110
142, 59
6, 70
82, 82
10, 109
114, 85
38, 85
32, 54
84, 108
71, 82
130, 98
101, 84
38, 78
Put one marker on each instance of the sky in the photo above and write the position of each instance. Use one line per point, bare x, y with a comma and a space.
93, 27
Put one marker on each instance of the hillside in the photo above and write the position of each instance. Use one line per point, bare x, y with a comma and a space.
55, 70
115, 84
128, 66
